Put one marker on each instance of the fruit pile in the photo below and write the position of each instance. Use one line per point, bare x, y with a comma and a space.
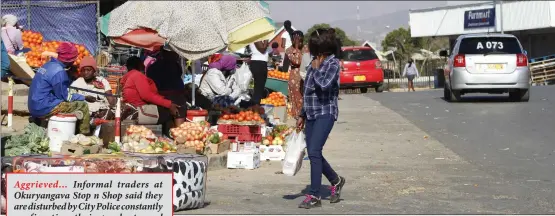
34, 41
275, 99
191, 135
276, 137
141, 139
278, 75
244, 117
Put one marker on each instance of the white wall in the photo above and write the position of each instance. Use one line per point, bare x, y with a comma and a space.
518, 15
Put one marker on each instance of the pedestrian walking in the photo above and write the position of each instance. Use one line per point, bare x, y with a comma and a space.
410, 72
319, 113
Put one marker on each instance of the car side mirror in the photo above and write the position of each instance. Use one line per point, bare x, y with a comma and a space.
525, 53
443, 53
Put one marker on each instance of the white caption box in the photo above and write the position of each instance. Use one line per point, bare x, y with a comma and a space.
71, 194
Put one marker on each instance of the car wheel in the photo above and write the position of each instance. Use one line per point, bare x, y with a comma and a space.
454, 96
379, 89
363, 90
522, 95
446, 94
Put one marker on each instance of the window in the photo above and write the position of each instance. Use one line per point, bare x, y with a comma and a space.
486, 45
359, 55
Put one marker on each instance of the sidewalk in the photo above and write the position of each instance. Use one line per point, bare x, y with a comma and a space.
391, 167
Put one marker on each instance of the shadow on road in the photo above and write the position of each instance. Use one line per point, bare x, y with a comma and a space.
483, 99
325, 191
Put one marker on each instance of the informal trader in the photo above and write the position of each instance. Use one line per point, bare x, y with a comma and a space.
295, 54
5, 61
410, 72
167, 73
286, 43
320, 112
11, 34
89, 80
259, 68
218, 84
48, 94
142, 101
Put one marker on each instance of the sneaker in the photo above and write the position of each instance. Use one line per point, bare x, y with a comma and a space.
336, 190
310, 202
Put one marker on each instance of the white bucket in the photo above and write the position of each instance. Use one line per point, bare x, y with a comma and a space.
60, 128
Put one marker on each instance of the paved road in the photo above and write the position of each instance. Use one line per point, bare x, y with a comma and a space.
513, 141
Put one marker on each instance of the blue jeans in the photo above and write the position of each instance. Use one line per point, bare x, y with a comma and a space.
317, 132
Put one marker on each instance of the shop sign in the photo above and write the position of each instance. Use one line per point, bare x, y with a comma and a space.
482, 18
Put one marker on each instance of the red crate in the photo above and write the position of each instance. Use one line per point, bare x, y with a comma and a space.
244, 137
239, 129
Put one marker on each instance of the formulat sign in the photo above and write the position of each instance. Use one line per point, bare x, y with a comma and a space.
482, 18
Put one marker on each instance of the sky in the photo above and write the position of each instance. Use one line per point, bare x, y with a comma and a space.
303, 14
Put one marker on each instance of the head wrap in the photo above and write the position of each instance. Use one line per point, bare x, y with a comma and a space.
9, 20
226, 62
88, 61
67, 52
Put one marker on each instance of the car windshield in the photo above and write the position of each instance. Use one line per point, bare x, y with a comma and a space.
359, 55
490, 45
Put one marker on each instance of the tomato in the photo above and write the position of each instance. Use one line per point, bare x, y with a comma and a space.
248, 118
225, 117
241, 118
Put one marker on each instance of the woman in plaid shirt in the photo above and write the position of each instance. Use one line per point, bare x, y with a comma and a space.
319, 113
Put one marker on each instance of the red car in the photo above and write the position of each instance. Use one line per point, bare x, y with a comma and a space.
361, 68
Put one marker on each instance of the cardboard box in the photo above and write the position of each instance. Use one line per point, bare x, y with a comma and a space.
271, 152
243, 160
219, 148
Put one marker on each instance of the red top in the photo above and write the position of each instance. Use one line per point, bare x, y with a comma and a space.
139, 90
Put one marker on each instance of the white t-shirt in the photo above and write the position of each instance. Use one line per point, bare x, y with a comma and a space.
99, 104
257, 55
287, 37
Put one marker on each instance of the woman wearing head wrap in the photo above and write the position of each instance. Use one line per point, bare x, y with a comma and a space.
49, 92
91, 81
11, 34
295, 54
217, 84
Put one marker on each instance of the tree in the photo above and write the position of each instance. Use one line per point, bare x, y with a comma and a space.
345, 40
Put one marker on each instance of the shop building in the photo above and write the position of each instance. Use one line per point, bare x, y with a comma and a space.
533, 22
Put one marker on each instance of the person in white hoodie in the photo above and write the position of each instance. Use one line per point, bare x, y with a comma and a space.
411, 72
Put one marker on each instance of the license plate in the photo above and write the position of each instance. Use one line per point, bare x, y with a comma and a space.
360, 78
492, 66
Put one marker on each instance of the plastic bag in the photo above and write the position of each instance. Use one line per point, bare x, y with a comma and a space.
243, 77
295, 153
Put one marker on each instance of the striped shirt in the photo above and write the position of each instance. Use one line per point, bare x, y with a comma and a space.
321, 90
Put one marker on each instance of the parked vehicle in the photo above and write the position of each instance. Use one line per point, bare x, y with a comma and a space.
487, 63
361, 68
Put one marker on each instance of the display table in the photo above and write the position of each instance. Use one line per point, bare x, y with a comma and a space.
277, 85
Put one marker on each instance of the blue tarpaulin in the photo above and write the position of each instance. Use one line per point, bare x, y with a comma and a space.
57, 20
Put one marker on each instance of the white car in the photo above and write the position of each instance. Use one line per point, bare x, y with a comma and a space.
487, 63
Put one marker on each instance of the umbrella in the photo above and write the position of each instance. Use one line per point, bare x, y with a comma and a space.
194, 29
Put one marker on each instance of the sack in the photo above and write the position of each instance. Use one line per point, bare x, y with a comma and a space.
295, 153
148, 114
243, 77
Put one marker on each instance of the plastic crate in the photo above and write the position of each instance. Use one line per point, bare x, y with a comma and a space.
244, 137
239, 129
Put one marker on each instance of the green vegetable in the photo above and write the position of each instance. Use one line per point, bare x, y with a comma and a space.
34, 140
215, 138
114, 146
87, 151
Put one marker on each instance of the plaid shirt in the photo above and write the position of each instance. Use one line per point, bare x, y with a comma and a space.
321, 90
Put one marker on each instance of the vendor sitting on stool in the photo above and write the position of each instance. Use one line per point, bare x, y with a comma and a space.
218, 85
89, 80
142, 102
48, 94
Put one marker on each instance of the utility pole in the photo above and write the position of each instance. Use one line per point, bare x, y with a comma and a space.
358, 22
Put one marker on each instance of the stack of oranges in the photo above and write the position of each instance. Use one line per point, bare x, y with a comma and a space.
34, 41
275, 99
278, 75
